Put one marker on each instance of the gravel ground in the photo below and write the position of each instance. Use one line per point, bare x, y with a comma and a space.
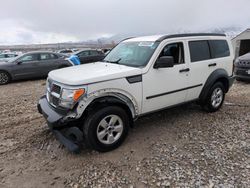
181, 147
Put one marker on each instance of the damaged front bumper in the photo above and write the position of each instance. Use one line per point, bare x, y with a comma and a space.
70, 136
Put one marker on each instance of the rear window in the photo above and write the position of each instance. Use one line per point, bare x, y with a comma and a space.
219, 48
199, 50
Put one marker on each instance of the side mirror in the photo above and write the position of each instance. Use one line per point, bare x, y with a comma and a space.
164, 62
19, 63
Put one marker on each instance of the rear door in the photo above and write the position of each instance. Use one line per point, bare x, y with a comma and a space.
47, 63
205, 57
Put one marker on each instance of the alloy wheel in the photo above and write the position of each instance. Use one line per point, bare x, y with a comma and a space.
3, 78
217, 97
110, 129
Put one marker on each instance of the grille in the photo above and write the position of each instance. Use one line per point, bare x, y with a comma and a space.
55, 88
54, 100
52, 90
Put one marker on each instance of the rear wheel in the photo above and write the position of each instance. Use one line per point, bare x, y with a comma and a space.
215, 97
106, 129
4, 78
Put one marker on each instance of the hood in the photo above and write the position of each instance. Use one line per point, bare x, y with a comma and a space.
245, 57
91, 73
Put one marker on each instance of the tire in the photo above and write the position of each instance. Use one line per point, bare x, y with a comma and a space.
4, 78
215, 98
103, 134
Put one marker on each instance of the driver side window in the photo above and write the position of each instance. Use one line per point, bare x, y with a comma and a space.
176, 50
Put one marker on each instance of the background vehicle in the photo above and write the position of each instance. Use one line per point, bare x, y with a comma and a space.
106, 50
66, 51
31, 65
242, 67
139, 76
7, 56
90, 55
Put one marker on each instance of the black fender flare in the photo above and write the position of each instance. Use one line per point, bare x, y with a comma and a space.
102, 101
217, 75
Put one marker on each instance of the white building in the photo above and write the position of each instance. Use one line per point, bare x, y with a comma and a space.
241, 43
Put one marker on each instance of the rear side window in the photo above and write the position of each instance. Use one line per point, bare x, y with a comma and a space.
47, 56
219, 48
199, 50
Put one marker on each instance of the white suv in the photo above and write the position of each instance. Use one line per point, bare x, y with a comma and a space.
98, 102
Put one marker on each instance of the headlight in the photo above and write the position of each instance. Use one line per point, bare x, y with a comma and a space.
69, 97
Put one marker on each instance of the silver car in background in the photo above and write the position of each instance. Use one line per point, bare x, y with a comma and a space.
7, 56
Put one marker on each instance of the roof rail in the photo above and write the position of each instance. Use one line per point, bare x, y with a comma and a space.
126, 39
188, 35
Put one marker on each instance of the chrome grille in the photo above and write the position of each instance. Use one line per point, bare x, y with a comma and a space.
55, 88
53, 93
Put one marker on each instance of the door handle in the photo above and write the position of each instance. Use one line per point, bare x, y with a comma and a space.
184, 70
212, 65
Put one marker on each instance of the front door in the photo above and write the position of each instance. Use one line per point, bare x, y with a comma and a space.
26, 66
164, 87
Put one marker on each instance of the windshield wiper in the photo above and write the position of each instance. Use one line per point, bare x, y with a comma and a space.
116, 62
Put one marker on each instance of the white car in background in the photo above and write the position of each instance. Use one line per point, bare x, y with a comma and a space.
7, 56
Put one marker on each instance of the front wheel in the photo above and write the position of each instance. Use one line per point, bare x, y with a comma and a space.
106, 129
4, 78
215, 98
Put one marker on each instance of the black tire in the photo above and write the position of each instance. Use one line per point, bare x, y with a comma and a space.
92, 126
210, 104
4, 78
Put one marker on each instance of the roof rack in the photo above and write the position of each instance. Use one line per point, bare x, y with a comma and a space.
188, 35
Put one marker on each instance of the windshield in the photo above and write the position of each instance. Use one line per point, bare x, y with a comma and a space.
136, 54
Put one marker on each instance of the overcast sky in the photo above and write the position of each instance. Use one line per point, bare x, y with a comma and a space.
49, 21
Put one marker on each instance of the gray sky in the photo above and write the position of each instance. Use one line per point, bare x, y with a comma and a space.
49, 21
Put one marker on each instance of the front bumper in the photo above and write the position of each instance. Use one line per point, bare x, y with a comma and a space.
69, 136
242, 73
55, 119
